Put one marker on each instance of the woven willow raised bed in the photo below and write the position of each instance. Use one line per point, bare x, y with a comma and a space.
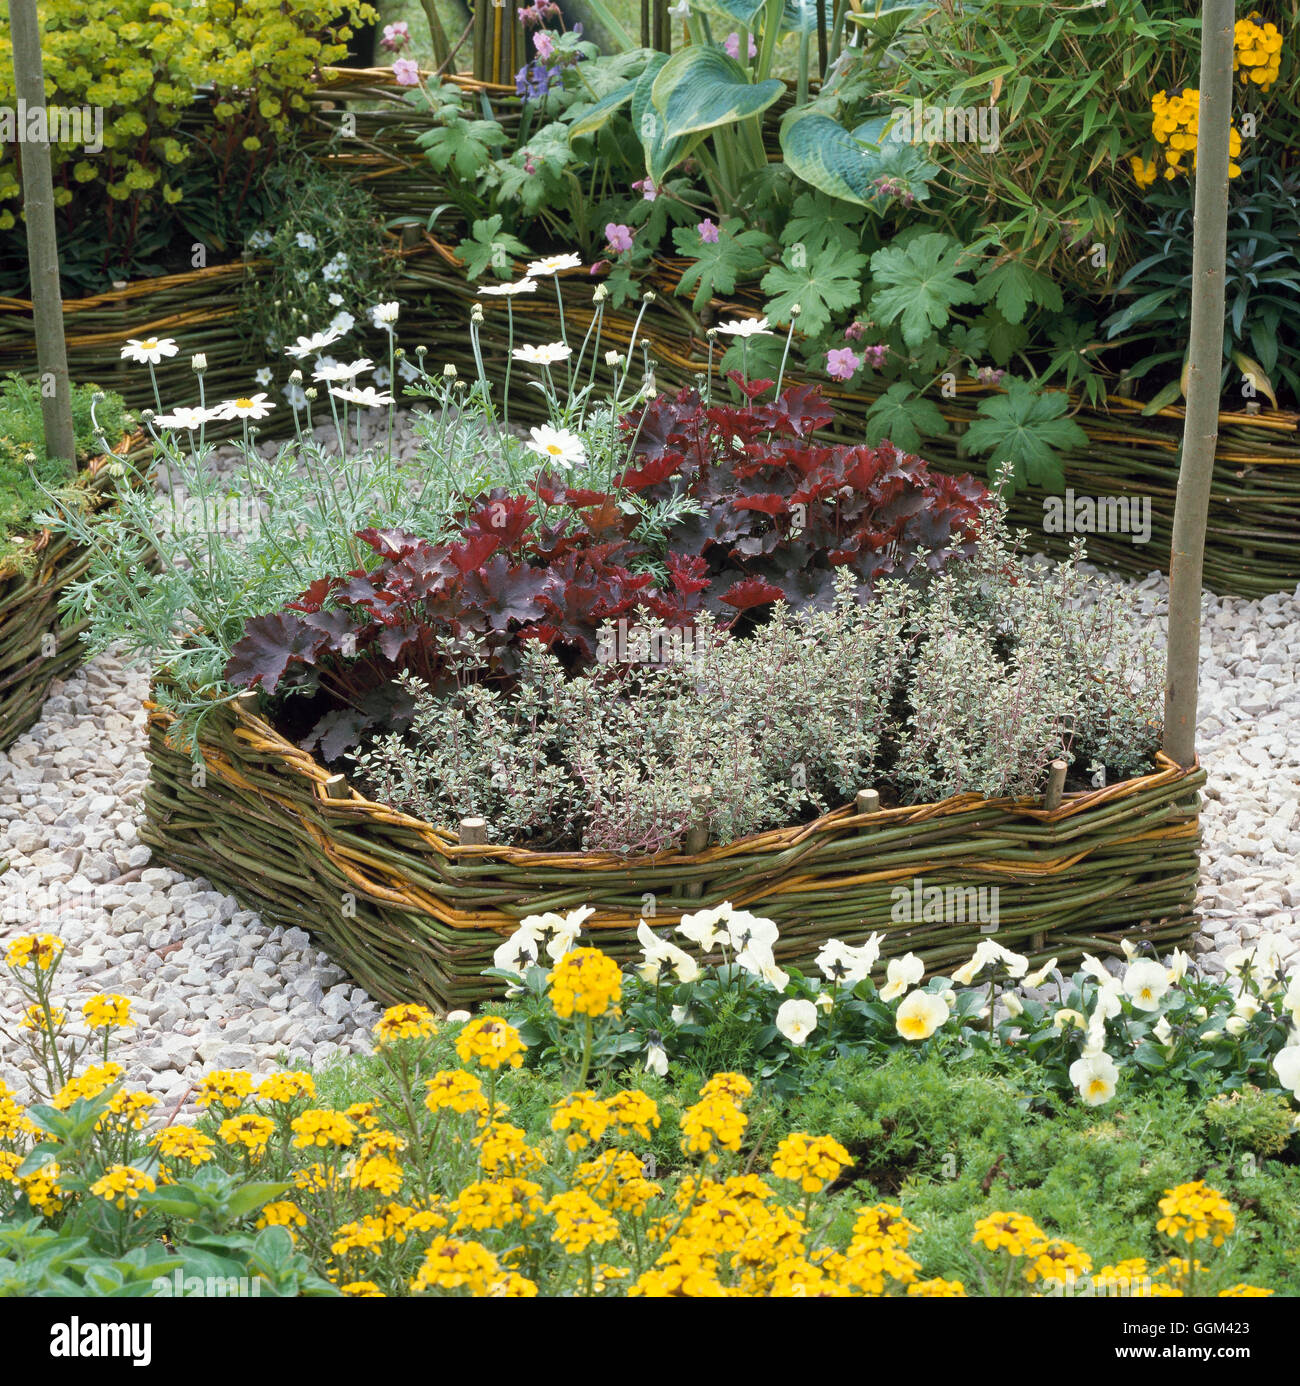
413, 915
35, 646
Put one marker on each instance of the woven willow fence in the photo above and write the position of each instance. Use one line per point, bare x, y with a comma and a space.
35, 646
414, 915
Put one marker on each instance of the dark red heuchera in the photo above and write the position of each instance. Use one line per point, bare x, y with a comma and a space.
780, 514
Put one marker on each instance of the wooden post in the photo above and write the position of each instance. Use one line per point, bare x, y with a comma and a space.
1055, 786
1204, 363
473, 832
697, 835
42, 240
867, 801
336, 787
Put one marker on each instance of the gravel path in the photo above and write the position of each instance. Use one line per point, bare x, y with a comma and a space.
215, 988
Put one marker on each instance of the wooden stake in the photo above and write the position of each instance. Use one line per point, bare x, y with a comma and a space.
473, 832
336, 787
697, 835
868, 801
1055, 786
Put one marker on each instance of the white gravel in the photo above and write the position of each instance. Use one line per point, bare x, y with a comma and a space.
214, 987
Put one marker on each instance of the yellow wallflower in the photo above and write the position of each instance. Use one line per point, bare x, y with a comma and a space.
108, 1012
450, 1264
224, 1088
286, 1087
584, 982
580, 1222
491, 1042
322, 1127
249, 1130
812, 1162
405, 1022
123, 1184
1195, 1212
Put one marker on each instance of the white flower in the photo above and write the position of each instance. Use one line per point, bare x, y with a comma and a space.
1109, 1004
1015, 1007
1178, 963
1286, 1064
659, 952
263, 376
1095, 1077
1145, 983
989, 951
825, 1002
520, 286
920, 1015
680, 1014
756, 959
1235, 1024
681, 10
385, 314
796, 1020
306, 240
148, 351
840, 962
342, 322
334, 372
553, 264
185, 417
656, 1060
307, 346
1094, 1040
457, 1017
542, 355
245, 407
1162, 1030
773, 975
701, 928
900, 974
383, 376
334, 270
407, 370
614, 358
335, 300
1066, 1018
518, 953
557, 931
1247, 1008
1039, 976
259, 239
746, 327
1129, 950
1094, 967
557, 445
369, 398
199, 361
296, 396
748, 931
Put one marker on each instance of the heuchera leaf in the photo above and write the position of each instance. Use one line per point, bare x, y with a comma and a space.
268, 646
751, 592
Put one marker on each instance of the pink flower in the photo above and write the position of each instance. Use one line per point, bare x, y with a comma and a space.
396, 36
841, 363
732, 44
647, 189
876, 355
855, 331
618, 236
543, 43
708, 232
406, 73
600, 266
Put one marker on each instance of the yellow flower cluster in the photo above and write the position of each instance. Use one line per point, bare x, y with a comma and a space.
108, 1012
127, 1111
583, 1115
456, 1091
49, 1022
1257, 50
322, 1127
224, 1088
88, 1084
1195, 1212
248, 1130
496, 1203
580, 1222
585, 982
183, 1143
38, 951
812, 1162
450, 1264
123, 1184
1174, 123
616, 1178
490, 1042
405, 1022
286, 1087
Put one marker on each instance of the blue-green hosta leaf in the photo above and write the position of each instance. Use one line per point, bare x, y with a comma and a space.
823, 153
661, 153
1025, 427
902, 414
919, 286
700, 88
598, 115
744, 13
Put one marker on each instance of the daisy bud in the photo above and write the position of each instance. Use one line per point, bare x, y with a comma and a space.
421, 352
648, 296
295, 377
795, 310
613, 358
310, 392
601, 294
476, 313
198, 362
449, 371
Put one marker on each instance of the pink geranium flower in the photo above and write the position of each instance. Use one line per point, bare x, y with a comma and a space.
618, 236
708, 232
396, 36
732, 44
544, 43
406, 73
841, 363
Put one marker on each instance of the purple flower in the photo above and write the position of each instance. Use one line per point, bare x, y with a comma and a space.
406, 73
841, 363
855, 331
732, 44
618, 236
535, 80
396, 36
647, 189
876, 355
543, 43
708, 232
988, 375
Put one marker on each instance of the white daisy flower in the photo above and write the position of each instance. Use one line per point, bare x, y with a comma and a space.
521, 286
557, 445
553, 264
263, 376
407, 371
342, 322
385, 314
746, 327
334, 372
305, 346
148, 350
184, 417
369, 398
296, 396
543, 355
245, 407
